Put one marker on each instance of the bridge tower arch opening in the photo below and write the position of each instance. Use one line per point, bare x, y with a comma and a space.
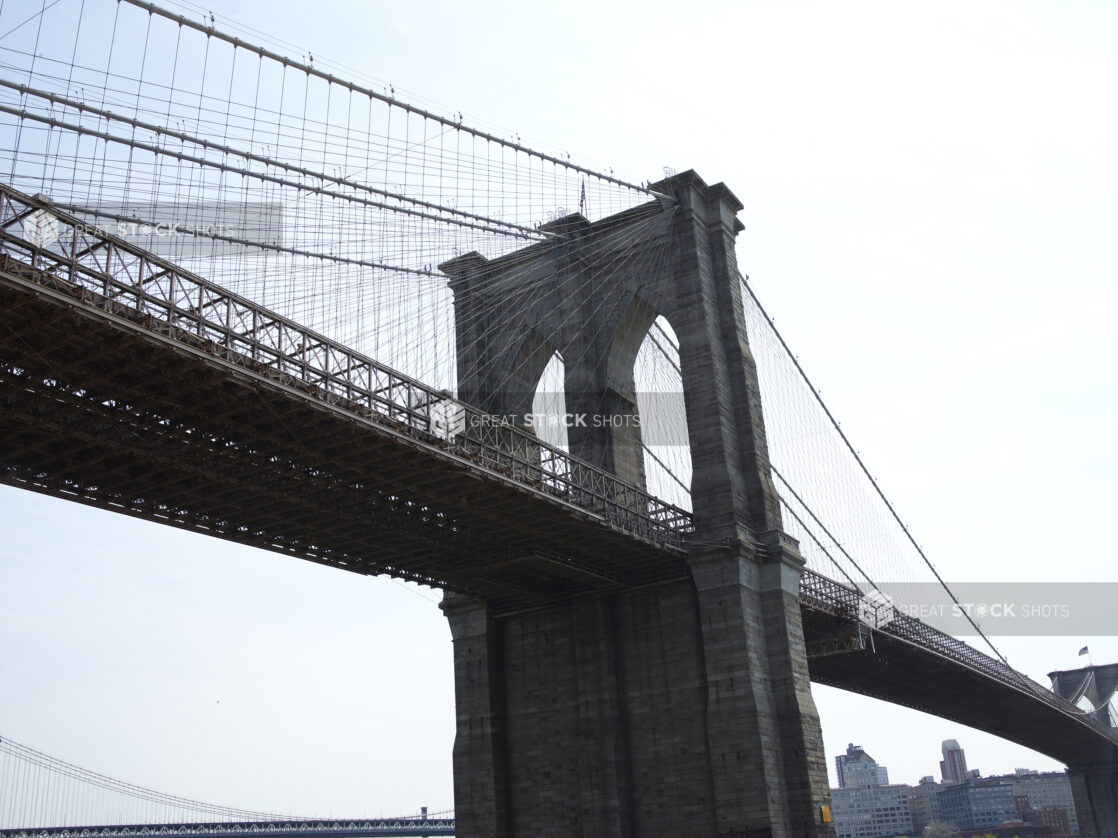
681, 707
662, 419
549, 416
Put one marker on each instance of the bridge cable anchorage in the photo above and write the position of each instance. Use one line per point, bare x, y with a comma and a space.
834, 424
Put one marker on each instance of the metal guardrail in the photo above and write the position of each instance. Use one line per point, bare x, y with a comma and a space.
249, 829
104, 271
823, 594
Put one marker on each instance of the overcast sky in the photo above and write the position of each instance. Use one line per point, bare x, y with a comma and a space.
931, 194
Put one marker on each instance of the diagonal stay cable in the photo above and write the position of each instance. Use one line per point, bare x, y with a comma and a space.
822, 526
834, 422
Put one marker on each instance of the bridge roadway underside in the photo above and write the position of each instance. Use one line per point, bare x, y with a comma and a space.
901, 672
99, 409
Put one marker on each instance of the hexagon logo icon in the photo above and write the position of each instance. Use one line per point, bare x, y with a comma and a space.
40, 229
876, 610
448, 419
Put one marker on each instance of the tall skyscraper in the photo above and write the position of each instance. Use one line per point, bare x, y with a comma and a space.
953, 767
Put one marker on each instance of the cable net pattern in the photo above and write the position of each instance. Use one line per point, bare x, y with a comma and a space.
328, 201
847, 529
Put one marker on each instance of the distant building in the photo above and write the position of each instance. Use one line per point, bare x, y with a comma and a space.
1055, 819
977, 804
865, 805
857, 769
1024, 804
953, 767
1041, 792
871, 811
1011, 829
923, 801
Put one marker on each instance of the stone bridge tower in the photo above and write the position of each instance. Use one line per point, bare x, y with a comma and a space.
679, 709
1094, 785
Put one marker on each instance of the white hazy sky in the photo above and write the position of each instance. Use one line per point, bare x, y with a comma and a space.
931, 195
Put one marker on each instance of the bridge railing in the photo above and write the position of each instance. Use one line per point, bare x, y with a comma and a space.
52, 247
827, 595
287, 828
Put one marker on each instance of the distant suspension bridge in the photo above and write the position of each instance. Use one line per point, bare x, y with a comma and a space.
45, 797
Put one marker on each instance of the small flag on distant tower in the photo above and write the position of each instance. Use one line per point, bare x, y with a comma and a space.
582, 200
1083, 651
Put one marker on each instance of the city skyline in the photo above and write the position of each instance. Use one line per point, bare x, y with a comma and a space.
867, 805
935, 774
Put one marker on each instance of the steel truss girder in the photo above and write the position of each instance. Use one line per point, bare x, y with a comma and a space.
108, 273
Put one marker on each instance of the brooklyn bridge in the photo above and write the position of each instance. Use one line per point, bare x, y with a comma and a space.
247, 298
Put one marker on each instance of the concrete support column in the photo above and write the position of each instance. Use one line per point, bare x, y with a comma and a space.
767, 755
601, 746
480, 775
804, 766
764, 739
743, 741
1095, 790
